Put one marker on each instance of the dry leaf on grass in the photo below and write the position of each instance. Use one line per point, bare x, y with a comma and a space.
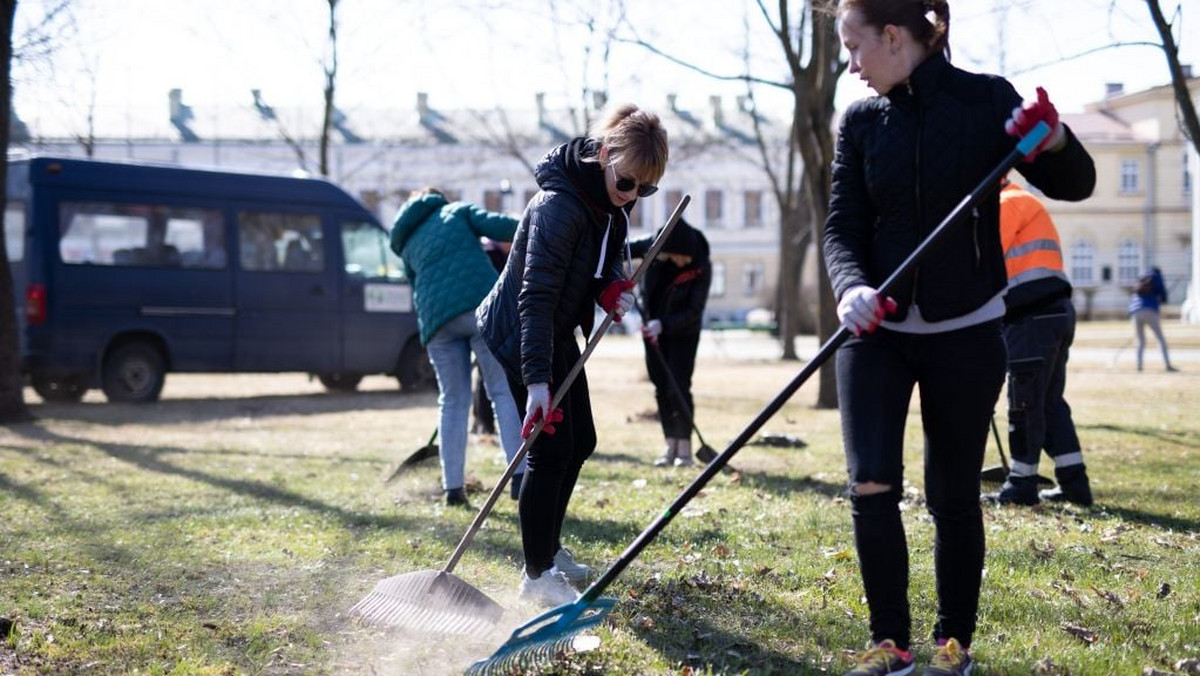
1082, 633
1108, 596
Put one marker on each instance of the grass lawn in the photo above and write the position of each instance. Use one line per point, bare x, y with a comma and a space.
228, 528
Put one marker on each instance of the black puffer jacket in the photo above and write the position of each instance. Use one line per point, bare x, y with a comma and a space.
905, 160
676, 296
554, 274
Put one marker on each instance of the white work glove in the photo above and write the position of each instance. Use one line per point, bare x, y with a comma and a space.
861, 309
618, 298
537, 406
651, 330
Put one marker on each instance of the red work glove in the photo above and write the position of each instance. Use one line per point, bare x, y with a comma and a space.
861, 309
1024, 118
617, 296
537, 405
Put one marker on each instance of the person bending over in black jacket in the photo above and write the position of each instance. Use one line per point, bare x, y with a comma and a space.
903, 160
565, 258
674, 293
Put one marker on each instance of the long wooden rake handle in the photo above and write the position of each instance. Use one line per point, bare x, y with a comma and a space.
985, 188
561, 391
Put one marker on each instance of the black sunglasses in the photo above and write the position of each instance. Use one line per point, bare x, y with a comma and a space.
625, 184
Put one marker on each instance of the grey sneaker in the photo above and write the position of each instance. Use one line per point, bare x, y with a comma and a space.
564, 562
550, 589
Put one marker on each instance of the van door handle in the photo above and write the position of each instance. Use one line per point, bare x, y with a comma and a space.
316, 290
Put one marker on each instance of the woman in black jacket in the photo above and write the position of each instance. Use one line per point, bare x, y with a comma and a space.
904, 159
565, 258
674, 293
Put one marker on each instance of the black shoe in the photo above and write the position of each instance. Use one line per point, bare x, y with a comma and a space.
1017, 490
516, 485
1073, 486
457, 497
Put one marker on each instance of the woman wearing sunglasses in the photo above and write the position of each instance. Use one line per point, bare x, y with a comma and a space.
567, 256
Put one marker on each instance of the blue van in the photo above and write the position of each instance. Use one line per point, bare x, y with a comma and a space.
125, 272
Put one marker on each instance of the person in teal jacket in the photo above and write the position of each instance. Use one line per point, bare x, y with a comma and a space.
439, 246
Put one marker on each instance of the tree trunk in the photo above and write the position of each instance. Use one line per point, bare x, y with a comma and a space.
1187, 110
330, 83
12, 402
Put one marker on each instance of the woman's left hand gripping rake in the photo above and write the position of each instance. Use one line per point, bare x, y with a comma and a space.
437, 601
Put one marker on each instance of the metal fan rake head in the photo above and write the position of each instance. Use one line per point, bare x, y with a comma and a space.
429, 601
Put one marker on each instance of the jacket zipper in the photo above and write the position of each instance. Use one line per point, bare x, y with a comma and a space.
975, 235
917, 184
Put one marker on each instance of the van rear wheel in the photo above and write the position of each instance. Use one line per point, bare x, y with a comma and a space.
134, 373
340, 382
68, 389
414, 372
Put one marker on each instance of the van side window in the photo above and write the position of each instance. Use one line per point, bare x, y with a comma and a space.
368, 252
14, 231
280, 242
101, 233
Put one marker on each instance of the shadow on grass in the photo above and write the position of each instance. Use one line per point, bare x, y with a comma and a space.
202, 409
1155, 520
1188, 438
150, 459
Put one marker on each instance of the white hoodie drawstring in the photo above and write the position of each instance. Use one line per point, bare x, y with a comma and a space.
604, 249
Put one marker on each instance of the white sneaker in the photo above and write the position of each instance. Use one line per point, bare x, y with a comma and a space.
565, 562
550, 589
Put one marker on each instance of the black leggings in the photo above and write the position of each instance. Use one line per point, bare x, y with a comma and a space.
554, 461
959, 375
679, 352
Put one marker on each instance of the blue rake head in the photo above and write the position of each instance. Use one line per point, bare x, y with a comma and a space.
539, 640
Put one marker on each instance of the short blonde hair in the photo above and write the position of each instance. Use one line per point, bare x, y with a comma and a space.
636, 142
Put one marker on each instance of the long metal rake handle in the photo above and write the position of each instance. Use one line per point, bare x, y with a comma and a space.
561, 391
985, 187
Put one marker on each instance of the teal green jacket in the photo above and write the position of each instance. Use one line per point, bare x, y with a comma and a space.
442, 257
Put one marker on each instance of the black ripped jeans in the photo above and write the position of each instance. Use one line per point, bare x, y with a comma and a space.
554, 461
959, 375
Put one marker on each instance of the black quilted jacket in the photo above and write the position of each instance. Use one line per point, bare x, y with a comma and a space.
550, 284
903, 161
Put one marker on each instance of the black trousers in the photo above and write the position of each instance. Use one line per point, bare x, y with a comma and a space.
553, 461
1038, 415
959, 375
679, 353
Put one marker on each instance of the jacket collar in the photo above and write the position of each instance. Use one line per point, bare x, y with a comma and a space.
926, 78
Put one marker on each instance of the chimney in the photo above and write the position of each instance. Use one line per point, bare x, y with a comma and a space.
1112, 89
178, 111
673, 102
599, 100
423, 106
540, 98
718, 117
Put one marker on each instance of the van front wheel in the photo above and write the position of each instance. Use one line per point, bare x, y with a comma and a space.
134, 373
414, 372
340, 382
69, 389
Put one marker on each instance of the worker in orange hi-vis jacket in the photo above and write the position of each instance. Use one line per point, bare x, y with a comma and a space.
1039, 326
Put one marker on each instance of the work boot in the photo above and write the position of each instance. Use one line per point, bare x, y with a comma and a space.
457, 497
1017, 490
683, 453
1073, 486
667, 459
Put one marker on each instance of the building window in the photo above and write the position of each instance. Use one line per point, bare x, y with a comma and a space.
714, 208
1083, 263
1187, 174
1130, 176
752, 278
1129, 262
672, 201
717, 289
753, 203
493, 200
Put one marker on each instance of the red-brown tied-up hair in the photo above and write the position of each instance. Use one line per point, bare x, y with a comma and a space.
927, 20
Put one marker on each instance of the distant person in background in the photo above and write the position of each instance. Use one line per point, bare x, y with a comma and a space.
1039, 327
1149, 294
439, 248
481, 412
674, 292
